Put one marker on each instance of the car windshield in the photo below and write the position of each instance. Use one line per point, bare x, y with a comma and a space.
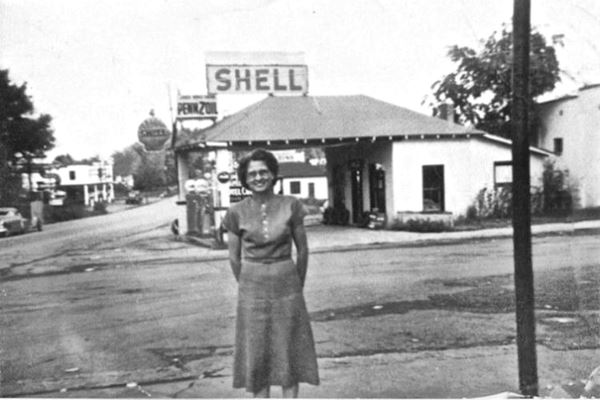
3, 212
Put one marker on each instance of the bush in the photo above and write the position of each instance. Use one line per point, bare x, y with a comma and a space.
421, 225
556, 196
493, 203
559, 193
100, 207
66, 212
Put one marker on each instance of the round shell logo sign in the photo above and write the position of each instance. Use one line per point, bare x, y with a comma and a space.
153, 133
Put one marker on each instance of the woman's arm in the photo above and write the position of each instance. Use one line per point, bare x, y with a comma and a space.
299, 235
235, 247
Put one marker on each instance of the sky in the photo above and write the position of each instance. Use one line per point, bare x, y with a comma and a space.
99, 66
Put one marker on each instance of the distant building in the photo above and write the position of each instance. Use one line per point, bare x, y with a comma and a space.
86, 183
302, 180
570, 128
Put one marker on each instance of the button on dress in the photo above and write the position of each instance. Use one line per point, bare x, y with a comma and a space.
274, 344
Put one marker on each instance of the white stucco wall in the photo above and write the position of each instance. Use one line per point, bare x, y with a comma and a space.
577, 122
468, 168
320, 183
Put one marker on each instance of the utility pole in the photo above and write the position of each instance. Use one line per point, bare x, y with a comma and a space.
521, 219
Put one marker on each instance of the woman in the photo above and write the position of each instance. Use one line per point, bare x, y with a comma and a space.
273, 343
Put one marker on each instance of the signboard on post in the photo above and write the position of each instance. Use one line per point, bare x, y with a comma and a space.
256, 73
153, 133
196, 107
275, 79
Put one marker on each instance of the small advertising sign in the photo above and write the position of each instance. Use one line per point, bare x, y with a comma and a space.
223, 177
196, 107
238, 193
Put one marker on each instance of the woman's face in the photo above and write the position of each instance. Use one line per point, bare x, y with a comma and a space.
258, 177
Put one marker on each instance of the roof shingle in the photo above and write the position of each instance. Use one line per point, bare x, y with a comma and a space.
326, 117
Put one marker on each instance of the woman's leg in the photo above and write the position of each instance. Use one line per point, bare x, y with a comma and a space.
262, 393
290, 392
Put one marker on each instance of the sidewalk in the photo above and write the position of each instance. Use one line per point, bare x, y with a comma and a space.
326, 238
453, 373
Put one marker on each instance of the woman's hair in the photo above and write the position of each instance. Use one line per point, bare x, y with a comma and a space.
257, 155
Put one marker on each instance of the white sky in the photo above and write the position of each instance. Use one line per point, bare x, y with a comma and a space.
99, 66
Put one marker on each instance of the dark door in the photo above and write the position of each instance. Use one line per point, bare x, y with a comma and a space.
377, 187
356, 179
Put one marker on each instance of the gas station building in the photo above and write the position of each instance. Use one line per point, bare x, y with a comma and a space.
381, 158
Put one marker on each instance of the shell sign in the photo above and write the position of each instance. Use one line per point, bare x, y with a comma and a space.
153, 133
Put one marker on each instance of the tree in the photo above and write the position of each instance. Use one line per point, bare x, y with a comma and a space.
125, 162
480, 87
150, 170
150, 173
22, 135
64, 159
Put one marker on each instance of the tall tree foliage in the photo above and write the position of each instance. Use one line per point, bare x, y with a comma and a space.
64, 159
22, 134
480, 87
150, 170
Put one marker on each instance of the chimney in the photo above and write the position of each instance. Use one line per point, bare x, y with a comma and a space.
446, 111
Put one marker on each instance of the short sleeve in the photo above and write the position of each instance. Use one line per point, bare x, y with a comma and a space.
231, 222
298, 213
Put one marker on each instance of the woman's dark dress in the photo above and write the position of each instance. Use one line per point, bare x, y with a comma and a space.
274, 343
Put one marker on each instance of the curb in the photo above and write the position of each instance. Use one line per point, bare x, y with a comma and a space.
416, 242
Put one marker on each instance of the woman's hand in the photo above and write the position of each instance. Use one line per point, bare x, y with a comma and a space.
235, 251
301, 242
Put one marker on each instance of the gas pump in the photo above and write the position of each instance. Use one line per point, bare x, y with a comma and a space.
200, 220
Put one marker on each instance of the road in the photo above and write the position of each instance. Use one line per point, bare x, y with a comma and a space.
114, 299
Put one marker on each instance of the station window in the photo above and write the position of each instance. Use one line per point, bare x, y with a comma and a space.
502, 173
558, 146
433, 188
295, 187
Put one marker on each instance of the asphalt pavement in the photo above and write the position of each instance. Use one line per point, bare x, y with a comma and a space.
430, 374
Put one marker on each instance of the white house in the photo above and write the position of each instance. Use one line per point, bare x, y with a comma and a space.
570, 128
87, 183
380, 157
302, 180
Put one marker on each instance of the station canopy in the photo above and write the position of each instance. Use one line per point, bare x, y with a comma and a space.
301, 121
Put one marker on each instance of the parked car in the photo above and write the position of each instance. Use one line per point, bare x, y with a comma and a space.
12, 222
134, 197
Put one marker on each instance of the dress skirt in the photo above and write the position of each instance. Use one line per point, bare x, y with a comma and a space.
274, 345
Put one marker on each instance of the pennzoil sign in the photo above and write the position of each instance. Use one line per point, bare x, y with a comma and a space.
238, 79
196, 107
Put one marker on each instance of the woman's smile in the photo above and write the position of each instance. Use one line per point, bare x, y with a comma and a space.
259, 178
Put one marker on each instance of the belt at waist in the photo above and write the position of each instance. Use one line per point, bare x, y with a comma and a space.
265, 260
